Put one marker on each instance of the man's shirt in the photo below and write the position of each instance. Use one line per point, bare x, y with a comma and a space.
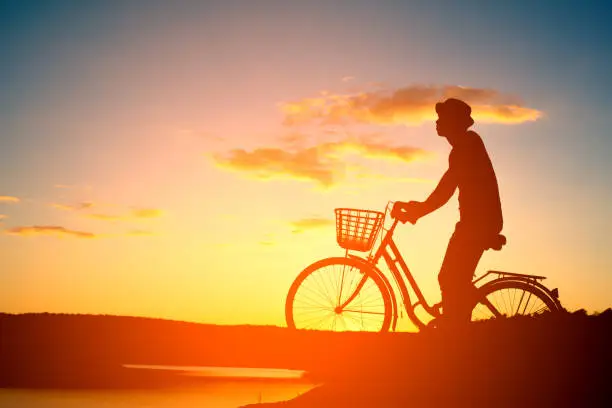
479, 202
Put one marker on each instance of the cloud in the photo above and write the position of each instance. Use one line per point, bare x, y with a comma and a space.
363, 173
396, 179
74, 207
139, 213
3, 217
378, 150
294, 139
48, 230
52, 230
9, 199
304, 224
323, 163
266, 163
105, 217
348, 78
410, 105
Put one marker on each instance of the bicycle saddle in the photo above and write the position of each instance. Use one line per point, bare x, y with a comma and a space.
497, 242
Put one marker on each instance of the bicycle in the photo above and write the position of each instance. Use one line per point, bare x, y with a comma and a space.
369, 302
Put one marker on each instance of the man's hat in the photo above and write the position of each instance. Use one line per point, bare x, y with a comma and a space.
456, 109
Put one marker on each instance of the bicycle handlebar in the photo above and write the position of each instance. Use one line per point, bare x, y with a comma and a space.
395, 218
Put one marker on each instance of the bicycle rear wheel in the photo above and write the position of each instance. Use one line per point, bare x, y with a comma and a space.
509, 298
318, 298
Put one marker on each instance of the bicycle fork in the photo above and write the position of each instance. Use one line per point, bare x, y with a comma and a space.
341, 307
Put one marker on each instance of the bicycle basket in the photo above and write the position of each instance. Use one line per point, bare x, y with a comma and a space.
357, 229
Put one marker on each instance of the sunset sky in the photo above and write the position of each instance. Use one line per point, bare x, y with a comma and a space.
183, 159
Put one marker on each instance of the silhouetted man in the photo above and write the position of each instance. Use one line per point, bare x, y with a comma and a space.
470, 170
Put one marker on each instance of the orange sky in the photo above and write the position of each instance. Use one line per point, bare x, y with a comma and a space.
188, 169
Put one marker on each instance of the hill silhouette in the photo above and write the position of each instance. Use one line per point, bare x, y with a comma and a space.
88, 351
550, 361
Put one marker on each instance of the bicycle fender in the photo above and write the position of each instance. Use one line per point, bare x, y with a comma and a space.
550, 293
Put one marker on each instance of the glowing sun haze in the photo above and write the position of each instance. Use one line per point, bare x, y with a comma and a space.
184, 160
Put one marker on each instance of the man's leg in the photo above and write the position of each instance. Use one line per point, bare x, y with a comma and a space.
460, 261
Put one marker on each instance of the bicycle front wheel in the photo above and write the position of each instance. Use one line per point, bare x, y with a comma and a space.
338, 294
509, 298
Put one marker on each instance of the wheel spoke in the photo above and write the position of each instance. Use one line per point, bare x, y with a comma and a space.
315, 289
506, 299
528, 299
520, 301
364, 312
314, 301
325, 288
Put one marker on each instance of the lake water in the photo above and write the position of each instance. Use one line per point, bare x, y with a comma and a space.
231, 388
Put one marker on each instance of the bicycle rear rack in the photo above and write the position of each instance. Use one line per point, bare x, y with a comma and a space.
530, 278
503, 274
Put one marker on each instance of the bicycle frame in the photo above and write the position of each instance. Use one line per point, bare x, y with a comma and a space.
390, 253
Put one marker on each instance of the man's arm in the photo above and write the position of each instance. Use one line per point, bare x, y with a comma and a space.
413, 210
442, 193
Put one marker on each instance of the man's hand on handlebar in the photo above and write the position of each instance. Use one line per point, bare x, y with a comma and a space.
407, 211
